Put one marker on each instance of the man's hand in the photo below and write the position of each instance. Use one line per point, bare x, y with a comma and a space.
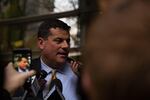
76, 66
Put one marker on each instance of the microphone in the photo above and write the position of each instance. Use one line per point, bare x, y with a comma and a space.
41, 79
31, 87
34, 85
43, 74
38, 83
79, 67
70, 59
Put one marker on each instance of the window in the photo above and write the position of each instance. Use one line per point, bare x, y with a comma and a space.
19, 21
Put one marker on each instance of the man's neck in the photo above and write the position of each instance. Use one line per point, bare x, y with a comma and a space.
53, 65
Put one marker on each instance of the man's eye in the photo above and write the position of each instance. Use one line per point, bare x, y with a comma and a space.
58, 40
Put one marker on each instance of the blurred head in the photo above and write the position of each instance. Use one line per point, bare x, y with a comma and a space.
117, 53
106, 5
54, 41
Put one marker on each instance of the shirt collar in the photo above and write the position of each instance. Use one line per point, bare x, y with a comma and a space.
45, 67
48, 69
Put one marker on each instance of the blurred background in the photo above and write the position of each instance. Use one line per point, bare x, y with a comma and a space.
20, 19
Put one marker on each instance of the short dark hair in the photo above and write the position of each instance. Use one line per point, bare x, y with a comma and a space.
43, 30
20, 58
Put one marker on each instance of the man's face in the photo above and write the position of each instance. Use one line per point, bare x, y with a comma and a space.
23, 64
55, 48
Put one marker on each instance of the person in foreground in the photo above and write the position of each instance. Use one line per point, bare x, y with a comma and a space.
118, 45
54, 44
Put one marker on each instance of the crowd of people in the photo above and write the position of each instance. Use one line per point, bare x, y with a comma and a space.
115, 57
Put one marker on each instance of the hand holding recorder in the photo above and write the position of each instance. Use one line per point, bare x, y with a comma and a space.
14, 79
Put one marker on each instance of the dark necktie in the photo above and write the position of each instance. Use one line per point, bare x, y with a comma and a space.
57, 93
55, 96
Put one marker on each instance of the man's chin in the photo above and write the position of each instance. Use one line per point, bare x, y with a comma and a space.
61, 60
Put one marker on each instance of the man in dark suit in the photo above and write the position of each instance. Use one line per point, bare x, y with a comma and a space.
54, 43
22, 64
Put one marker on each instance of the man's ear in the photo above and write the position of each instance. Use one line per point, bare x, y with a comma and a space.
41, 43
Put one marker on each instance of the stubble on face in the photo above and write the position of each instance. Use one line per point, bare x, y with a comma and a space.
57, 46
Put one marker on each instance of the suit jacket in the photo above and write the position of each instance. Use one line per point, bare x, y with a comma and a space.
36, 65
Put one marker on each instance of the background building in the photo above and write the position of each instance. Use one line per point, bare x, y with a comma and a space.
19, 21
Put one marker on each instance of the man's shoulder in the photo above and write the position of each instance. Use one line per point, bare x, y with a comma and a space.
36, 64
35, 61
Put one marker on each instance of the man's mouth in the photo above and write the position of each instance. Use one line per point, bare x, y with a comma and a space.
63, 54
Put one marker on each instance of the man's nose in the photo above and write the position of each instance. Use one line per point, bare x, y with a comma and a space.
65, 44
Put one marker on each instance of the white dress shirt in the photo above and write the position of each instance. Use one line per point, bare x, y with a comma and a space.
68, 79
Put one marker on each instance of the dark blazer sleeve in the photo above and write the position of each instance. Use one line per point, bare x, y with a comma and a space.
36, 65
